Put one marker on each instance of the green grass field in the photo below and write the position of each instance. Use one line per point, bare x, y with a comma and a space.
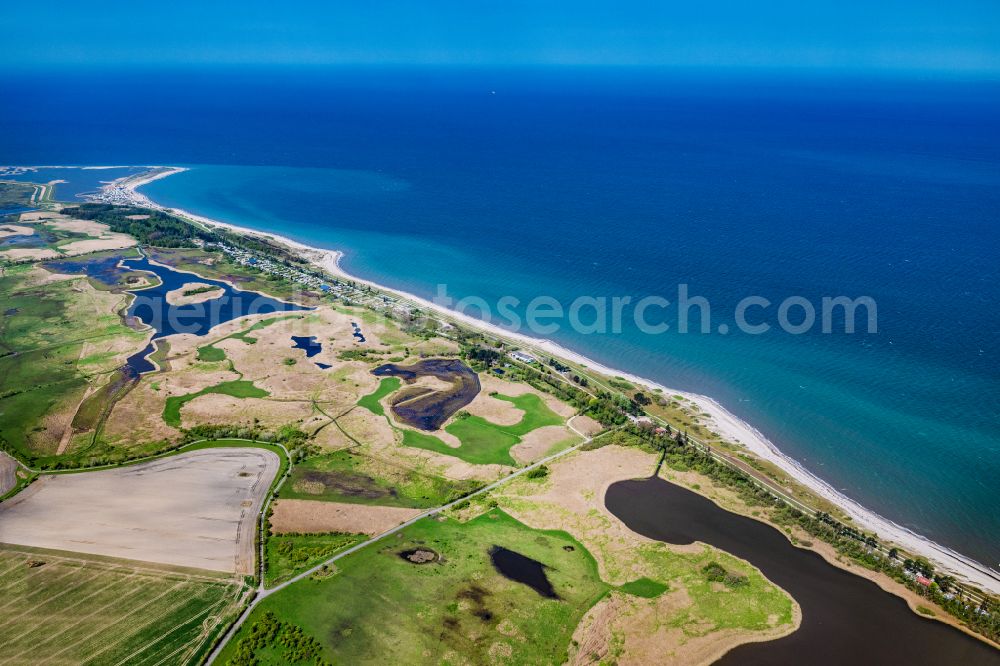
82, 610
289, 554
377, 607
646, 588
238, 389
43, 331
348, 476
385, 387
485, 442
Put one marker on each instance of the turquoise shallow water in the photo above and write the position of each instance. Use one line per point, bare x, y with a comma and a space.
524, 184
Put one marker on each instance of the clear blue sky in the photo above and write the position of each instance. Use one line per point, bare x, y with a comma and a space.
938, 35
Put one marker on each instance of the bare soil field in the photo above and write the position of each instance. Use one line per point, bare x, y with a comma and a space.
195, 509
537, 443
311, 516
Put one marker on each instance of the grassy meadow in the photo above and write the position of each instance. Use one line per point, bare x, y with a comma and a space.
359, 478
378, 607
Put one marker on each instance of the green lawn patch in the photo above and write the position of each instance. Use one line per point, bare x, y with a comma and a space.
372, 401
375, 606
237, 389
485, 442
289, 554
646, 588
211, 354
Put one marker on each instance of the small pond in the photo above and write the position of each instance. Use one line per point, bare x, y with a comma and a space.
522, 569
308, 343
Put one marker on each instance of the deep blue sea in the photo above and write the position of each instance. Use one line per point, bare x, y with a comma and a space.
605, 183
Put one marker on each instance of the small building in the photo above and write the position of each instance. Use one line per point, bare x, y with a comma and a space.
926, 582
522, 357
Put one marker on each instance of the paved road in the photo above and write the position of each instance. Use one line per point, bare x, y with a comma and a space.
265, 593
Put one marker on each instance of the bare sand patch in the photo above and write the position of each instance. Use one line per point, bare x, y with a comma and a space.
195, 509
138, 417
28, 253
312, 516
586, 425
369, 429
540, 441
35, 215
218, 409
8, 230
110, 242
178, 297
67, 223
494, 410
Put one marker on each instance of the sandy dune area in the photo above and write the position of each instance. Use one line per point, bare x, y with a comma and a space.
194, 509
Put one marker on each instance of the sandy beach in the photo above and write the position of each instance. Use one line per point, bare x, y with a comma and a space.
720, 420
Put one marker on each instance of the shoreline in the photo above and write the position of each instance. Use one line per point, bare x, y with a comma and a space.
720, 419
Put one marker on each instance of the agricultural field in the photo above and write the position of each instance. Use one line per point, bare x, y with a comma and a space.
67, 608
433, 595
195, 509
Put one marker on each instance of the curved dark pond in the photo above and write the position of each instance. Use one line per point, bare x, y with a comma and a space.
522, 569
428, 409
846, 619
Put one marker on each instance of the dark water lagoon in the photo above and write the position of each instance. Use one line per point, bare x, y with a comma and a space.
846, 619
522, 569
424, 408
150, 304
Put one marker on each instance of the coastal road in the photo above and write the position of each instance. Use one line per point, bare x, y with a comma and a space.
263, 593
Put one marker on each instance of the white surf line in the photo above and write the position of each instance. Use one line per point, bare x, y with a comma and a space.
263, 593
